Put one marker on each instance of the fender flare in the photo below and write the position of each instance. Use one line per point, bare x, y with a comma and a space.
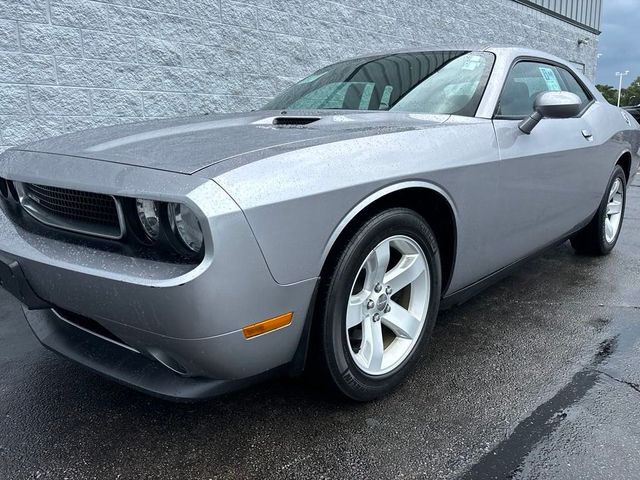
377, 195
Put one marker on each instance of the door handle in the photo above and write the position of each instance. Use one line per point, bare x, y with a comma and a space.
587, 134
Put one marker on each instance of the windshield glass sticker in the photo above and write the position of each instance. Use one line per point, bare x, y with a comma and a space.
473, 62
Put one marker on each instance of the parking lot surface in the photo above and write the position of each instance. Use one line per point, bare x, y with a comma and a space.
537, 377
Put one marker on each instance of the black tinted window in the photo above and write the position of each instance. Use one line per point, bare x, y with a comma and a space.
449, 82
527, 80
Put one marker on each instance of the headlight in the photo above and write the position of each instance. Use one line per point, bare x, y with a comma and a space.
148, 214
185, 225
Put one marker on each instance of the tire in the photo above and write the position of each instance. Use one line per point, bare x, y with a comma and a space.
369, 359
600, 236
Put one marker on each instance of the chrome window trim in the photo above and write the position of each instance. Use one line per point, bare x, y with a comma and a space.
31, 208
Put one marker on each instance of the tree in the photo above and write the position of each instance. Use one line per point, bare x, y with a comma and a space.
608, 92
630, 96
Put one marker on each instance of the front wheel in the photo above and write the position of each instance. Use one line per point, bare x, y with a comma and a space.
379, 303
601, 235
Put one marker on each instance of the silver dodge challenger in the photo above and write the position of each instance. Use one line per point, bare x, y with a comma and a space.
190, 257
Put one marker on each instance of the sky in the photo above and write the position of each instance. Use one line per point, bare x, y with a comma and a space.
619, 41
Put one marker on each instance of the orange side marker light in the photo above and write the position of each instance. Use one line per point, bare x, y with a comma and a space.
268, 325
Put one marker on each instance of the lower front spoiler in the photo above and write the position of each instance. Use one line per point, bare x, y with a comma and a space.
128, 367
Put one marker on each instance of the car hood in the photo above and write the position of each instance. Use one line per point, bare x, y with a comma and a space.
188, 145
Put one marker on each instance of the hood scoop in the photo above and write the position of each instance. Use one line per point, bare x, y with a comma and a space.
287, 121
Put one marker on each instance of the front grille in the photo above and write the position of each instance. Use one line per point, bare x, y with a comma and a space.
85, 206
83, 212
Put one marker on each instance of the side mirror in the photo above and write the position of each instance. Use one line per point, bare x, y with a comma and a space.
551, 105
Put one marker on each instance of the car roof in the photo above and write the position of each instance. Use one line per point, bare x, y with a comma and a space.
516, 51
502, 50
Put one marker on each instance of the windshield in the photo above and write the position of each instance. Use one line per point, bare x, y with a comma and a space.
444, 82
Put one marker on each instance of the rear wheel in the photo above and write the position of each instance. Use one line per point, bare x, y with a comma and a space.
601, 235
379, 303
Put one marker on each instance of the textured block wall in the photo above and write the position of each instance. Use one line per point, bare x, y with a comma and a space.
73, 64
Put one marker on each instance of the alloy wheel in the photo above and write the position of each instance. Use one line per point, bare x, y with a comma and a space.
613, 217
388, 305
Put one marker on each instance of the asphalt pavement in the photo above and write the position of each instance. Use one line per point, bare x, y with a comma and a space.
537, 377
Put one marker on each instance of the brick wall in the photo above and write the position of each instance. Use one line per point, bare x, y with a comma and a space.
73, 64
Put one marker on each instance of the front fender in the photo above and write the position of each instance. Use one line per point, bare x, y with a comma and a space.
299, 202
379, 194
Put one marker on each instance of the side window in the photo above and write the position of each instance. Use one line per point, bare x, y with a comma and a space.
527, 80
572, 85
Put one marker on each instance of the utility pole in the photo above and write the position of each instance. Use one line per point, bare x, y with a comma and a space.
621, 74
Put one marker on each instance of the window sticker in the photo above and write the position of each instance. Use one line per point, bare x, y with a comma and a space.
550, 79
473, 62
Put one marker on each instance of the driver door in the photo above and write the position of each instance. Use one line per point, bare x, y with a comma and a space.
544, 186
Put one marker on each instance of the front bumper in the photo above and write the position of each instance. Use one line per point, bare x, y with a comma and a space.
128, 367
186, 315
